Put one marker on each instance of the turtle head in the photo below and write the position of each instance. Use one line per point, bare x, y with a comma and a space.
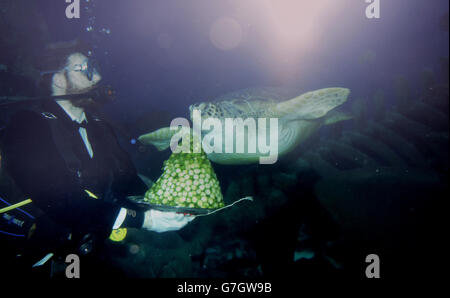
206, 109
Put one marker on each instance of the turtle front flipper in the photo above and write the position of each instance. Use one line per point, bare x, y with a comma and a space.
312, 105
159, 138
166, 137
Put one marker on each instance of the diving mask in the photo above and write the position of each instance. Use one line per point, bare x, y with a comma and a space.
89, 67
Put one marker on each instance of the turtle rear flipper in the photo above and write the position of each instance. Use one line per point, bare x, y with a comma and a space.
336, 116
312, 105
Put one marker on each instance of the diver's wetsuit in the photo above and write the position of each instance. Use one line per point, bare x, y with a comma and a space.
48, 160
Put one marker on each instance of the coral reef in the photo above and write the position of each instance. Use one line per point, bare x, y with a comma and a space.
393, 167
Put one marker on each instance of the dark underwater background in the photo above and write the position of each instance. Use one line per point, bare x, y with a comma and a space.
371, 185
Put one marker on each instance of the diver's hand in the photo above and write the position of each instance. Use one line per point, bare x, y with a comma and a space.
159, 221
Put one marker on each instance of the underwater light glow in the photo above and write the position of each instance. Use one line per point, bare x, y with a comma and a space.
226, 33
283, 34
295, 29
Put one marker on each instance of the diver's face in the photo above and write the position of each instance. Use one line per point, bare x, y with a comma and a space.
78, 77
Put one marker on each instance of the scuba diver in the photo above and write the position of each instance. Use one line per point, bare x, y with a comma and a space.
71, 166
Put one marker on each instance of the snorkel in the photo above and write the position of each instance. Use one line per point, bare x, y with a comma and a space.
88, 68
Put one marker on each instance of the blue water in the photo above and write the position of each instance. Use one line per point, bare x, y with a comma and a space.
365, 186
406, 39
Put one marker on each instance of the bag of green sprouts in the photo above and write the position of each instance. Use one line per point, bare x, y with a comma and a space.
188, 183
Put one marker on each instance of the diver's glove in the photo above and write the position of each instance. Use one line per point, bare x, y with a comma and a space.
159, 221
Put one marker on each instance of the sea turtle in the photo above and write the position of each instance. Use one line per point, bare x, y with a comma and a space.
298, 118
